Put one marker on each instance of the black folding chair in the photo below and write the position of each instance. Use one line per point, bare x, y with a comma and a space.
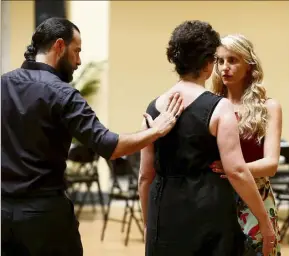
121, 168
134, 164
84, 173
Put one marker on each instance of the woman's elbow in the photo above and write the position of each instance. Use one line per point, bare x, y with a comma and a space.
237, 172
145, 178
273, 168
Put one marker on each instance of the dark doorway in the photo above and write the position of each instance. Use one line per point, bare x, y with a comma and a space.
45, 9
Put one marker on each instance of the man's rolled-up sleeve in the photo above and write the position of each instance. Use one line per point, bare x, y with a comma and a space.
84, 125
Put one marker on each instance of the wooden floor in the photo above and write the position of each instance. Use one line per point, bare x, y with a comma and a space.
113, 244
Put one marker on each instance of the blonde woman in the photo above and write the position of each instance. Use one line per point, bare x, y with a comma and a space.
237, 76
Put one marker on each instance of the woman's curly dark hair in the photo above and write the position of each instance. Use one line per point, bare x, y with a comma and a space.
192, 46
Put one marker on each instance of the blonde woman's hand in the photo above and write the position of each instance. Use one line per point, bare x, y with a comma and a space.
268, 236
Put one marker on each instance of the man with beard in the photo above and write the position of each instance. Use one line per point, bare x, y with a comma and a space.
41, 113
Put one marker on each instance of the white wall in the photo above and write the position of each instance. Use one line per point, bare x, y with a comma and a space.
91, 17
5, 36
140, 31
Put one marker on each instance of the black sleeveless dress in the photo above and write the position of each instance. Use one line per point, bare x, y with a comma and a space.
191, 211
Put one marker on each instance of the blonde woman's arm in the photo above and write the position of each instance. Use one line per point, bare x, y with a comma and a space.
267, 166
238, 172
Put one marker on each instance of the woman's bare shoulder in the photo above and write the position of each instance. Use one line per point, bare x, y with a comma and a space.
272, 104
162, 101
158, 103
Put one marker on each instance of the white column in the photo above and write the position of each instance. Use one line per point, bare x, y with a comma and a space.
91, 17
5, 37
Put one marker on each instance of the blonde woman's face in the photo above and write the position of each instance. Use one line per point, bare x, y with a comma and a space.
231, 66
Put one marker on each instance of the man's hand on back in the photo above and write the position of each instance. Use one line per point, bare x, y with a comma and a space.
168, 117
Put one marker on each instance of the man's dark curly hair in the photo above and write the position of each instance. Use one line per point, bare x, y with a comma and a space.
192, 46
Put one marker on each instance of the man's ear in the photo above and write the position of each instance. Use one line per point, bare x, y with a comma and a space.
59, 46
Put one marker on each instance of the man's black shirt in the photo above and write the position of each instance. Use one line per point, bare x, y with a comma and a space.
39, 116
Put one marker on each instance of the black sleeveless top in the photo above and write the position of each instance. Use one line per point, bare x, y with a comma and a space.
191, 210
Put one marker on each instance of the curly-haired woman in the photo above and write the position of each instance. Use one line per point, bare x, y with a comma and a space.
238, 76
188, 210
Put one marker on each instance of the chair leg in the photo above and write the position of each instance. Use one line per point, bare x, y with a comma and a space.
81, 204
141, 229
124, 216
101, 200
106, 215
128, 226
92, 201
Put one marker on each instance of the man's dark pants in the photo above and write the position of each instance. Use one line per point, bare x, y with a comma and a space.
39, 226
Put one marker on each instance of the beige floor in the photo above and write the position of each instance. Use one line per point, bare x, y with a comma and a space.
113, 244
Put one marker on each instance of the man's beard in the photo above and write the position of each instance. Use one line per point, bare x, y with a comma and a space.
65, 69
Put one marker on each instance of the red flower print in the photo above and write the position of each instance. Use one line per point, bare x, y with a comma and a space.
243, 217
253, 232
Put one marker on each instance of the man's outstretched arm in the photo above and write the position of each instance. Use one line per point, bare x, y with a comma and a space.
84, 125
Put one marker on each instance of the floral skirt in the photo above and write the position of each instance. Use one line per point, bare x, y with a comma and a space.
249, 222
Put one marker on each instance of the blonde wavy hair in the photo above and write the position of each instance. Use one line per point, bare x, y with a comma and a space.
254, 115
